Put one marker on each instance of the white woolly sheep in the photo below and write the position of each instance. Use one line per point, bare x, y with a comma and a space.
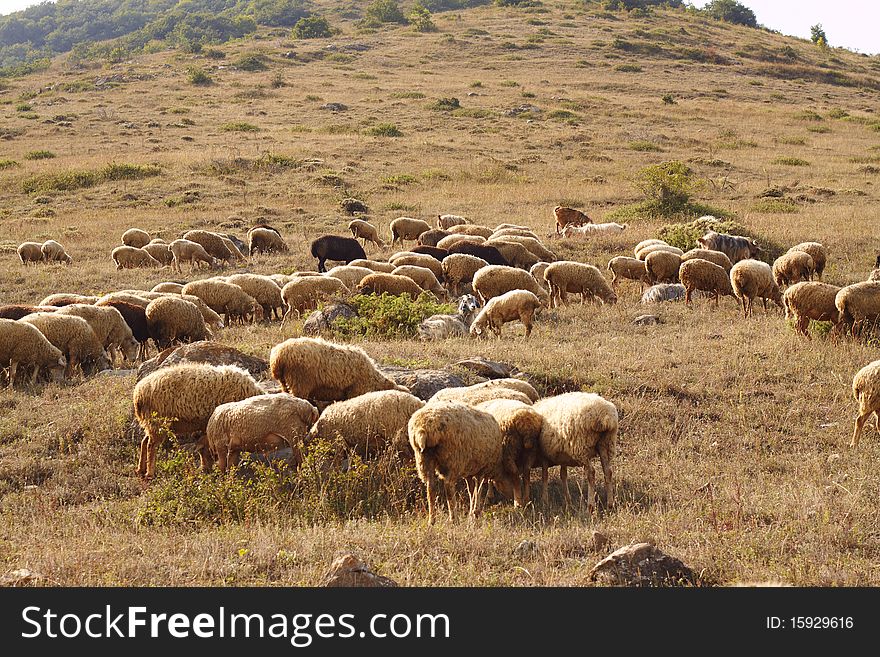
662, 266
629, 268
491, 389
66, 298
664, 292
515, 226
577, 426
172, 319
191, 252
808, 300
365, 231
866, 390
218, 246
180, 399
74, 337
263, 289
495, 280
753, 278
258, 424
716, 257
568, 276
455, 442
440, 327
459, 270
161, 252
374, 265
817, 252
537, 271
532, 244
859, 305
30, 252
168, 286
262, 239
136, 237
432, 237
391, 284
127, 297
314, 369
515, 231
304, 292
54, 252
130, 257
472, 229
22, 344
516, 254
225, 299
451, 240
646, 243
350, 275
423, 277
447, 221
419, 260
370, 422
511, 306
407, 228
793, 267
699, 274
109, 327
643, 253
610, 228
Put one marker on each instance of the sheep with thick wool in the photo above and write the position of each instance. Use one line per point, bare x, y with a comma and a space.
373, 265
447, 221
541, 252
263, 239
418, 260
66, 298
304, 292
350, 275
516, 254
454, 442
456, 238
507, 388
793, 267
866, 390
22, 344
54, 252
699, 274
263, 289
258, 424
537, 271
130, 257
191, 252
161, 252
136, 237
577, 426
225, 299
568, 276
751, 279
172, 319
19, 310
369, 423
633, 269
365, 231
609, 228
407, 228
514, 231
662, 266
74, 337
643, 253
109, 326
432, 237
391, 284
168, 286
314, 369
811, 300
494, 280
735, 247
646, 243
459, 270
716, 257
218, 246
127, 297
30, 252
423, 277
511, 306
475, 230
181, 399
817, 252
858, 305
874, 275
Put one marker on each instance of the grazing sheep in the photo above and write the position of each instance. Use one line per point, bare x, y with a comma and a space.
379, 284
161, 252
610, 228
664, 292
217, 246
258, 424
646, 243
168, 286
419, 260
569, 217
30, 252
407, 228
515, 254
17, 310
180, 399
136, 237
422, 277
440, 327
576, 277
662, 267
65, 299
54, 252
109, 326
734, 247
366, 231
240, 245
514, 226
458, 238
537, 271
866, 390
455, 442
859, 305
447, 221
808, 300
515, 305
793, 267
629, 268
374, 265
314, 369
475, 230
459, 270
515, 231
533, 245
494, 280
304, 293
508, 388
263, 289
136, 319
336, 247
172, 319
74, 338
753, 278
577, 426
874, 275
716, 257
643, 253
158, 240
817, 252
699, 274
130, 257
191, 252
225, 299
350, 275
127, 297
435, 252
212, 319
369, 423
432, 237
265, 240
24, 344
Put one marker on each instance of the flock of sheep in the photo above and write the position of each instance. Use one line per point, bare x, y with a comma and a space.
490, 433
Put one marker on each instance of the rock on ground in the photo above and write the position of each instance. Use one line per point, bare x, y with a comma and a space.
641, 564
423, 383
349, 571
321, 320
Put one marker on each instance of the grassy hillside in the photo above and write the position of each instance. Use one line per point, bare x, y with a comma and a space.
732, 452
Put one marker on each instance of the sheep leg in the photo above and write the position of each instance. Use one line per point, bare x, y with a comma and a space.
221, 460
545, 493
449, 487
233, 458
687, 296
525, 476
142, 460
566, 494
859, 426
13, 366
605, 454
526, 319
591, 488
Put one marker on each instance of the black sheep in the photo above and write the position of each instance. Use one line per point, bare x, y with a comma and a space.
336, 247
488, 253
432, 251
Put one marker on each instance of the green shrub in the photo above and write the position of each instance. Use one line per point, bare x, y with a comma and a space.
383, 130
400, 179
628, 68
791, 161
407, 94
668, 185
239, 126
420, 18
685, 235
82, 179
23, 107
445, 104
668, 99
731, 11
645, 146
381, 12
129, 171
389, 316
775, 206
252, 62
8, 164
312, 27
214, 53
198, 76
809, 115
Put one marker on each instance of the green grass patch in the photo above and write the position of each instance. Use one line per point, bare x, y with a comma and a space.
775, 206
792, 141
239, 126
389, 316
252, 62
198, 77
791, 162
407, 94
8, 164
809, 115
67, 181
629, 68
39, 155
400, 179
819, 129
645, 146
383, 130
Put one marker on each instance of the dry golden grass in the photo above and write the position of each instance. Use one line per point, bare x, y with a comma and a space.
733, 436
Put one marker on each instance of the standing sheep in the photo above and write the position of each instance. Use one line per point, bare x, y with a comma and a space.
180, 399
866, 390
24, 344
422, 277
715, 257
258, 424
136, 237
516, 254
304, 292
458, 238
753, 278
191, 252
172, 319
537, 271
577, 426
610, 228
809, 300
447, 221
793, 267
109, 326
391, 284
30, 252
817, 252
262, 239
432, 237
74, 337
407, 228
350, 275
662, 267
859, 305
366, 231
217, 246
531, 243
54, 252
314, 369
263, 289
374, 265
419, 260
733, 246
495, 280
629, 268
130, 257
161, 252
699, 274
576, 277
335, 247
515, 305
225, 299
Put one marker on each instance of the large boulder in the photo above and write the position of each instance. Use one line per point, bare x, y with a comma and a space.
423, 383
641, 564
205, 351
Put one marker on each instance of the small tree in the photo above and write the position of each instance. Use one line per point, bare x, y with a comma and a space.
420, 18
731, 12
312, 27
380, 12
818, 36
668, 185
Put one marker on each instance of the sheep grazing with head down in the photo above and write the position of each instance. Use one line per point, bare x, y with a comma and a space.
511, 306
350, 275
314, 369
225, 299
130, 257
715, 257
366, 231
811, 300
407, 228
265, 239
866, 390
391, 284
859, 305
515, 253
161, 252
440, 327
65, 299
454, 442
218, 246
646, 243
432, 237
447, 221
172, 319
258, 424
609, 228
751, 279
643, 253
459, 270
567, 276
418, 260
109, 326
793, 267
623, 267
577, 426
452, 239
30, 252
337, 248
817, 252
569, 217
136, 237
374, 265
473, 230
423, 277
495, 280
22, 344
191, 252
477, 394
662, 266
699, 274
304, 292
54, 252
263, 289
180, 399
369, 423
168, 286
74, 337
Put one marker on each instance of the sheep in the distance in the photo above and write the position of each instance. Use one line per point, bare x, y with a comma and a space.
217, 246
623, 267
407, 228
130, 257
447, 221
495, 280
22, 344
751, 279
54, 252
258, 424
30, 252
568, 276
391, 284
440, 327
866, 390
161, 252
811, 300
793, 267
172, 319
365, 231
699, 274
609, 228
336, 248
264, 239
179, 400
521, 305
569, 217
191, 252
136, 237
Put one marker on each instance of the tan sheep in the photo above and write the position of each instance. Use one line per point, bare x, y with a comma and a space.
451, 240
314, 369
74, 338
662, 266
226, 299
350, 275
304, 293
537, 271
422, 277
646, 243
365, 231
716, 257
369, 423
641, 254
374, 265
264, 290
30, 252
54, 252
495, 280
179, 400
808, 300
447, 221
859, 305
109, 327
130, 257
472, 229
515, 231
817, 252
391, 284
173, 319
511, 306
419, 260
432, 237
66, 298
168, 286
24, 344
217, 246
534, 246
191, 252
258, 424
699, 274
407, 228
459, 270
516, 254
127, 297
866, 390
753, 278
623, 267
136, 237
161, 252
793, 267
568, 276
514, 389
262, 239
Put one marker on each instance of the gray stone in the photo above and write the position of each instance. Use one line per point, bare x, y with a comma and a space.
321, 320
204, 351
349, 571
423, 383
647, 320
489, 369
334, 107
641, 564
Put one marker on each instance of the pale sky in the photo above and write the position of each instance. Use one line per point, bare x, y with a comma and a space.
852, 24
